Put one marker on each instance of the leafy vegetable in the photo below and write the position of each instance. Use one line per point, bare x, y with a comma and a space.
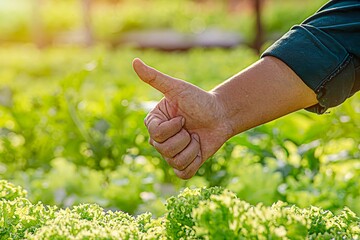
202, 213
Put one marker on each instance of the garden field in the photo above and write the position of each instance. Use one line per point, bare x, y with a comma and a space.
72, 132
75, 162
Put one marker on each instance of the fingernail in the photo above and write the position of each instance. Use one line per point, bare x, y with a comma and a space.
182, 121
196, 137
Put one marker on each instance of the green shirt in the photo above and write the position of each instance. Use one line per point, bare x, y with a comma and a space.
324, 51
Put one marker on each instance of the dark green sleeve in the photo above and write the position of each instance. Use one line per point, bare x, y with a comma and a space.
324, 51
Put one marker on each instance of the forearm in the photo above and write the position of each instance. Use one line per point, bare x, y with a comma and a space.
263, 92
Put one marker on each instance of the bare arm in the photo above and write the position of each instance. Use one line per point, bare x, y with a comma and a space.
265, 91
189, 125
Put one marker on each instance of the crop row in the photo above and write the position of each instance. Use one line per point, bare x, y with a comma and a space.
202, 213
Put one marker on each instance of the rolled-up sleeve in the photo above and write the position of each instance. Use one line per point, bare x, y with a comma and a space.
324, 51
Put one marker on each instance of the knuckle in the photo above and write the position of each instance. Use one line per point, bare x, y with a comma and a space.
152, 77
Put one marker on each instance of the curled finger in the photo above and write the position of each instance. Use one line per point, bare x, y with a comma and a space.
190, 170
174, 145
183, 159
160, 130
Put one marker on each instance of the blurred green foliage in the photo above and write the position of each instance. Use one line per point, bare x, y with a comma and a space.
110, 19
71, 118
71, 131
201, 213
78, 113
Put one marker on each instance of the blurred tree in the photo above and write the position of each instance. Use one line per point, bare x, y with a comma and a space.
258, 41
256, 7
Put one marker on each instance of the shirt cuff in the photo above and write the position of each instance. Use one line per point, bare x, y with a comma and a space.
320, 61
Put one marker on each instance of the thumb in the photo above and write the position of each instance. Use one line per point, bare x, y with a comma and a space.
160, 81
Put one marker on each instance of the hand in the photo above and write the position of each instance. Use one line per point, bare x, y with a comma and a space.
188, 125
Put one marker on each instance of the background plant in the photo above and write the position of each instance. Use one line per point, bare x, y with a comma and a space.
203, 213
71, 118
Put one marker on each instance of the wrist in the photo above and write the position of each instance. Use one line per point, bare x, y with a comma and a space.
225, 120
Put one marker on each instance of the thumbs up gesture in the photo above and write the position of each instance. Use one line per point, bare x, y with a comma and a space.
188, 125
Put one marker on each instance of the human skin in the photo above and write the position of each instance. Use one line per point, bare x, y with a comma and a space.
189, 124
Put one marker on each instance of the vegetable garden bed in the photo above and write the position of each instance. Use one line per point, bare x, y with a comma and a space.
202, 213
